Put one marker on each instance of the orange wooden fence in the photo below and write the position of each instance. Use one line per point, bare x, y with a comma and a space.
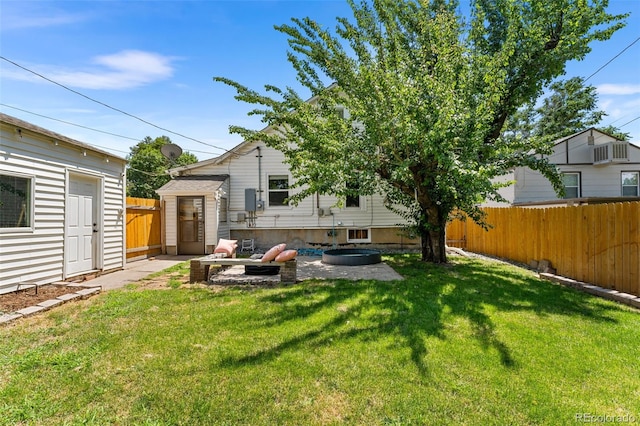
144, 228
598, 244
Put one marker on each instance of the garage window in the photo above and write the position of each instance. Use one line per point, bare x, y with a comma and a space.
16, 202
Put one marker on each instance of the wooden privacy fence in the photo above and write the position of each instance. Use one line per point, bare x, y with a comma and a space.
597, 244
144, 228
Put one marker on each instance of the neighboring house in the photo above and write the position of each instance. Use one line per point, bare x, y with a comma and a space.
241, 194
62, 207
595, 167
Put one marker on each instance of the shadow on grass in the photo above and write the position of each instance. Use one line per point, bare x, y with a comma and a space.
414, 309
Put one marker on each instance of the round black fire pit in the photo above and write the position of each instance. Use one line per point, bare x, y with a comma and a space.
351, 257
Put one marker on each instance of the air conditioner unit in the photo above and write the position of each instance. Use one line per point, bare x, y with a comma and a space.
611, 152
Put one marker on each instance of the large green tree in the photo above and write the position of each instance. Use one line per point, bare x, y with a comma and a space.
427, 91
570, 107
147, 168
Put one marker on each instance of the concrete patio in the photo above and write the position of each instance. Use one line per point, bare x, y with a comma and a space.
310, 267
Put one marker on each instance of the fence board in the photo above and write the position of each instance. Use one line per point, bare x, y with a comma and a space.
581, 263
144, 227
633, 247
598, 244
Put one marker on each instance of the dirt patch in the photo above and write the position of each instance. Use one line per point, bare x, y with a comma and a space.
11, 302
163, 282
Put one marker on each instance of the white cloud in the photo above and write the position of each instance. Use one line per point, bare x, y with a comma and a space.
618, 89
617, 109
32, 15
123, 70
29, 22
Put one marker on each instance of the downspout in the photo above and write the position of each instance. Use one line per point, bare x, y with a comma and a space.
259, 174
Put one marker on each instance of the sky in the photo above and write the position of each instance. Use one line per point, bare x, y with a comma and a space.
110, 73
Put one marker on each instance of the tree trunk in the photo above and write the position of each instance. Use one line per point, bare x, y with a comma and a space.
434, 241
432, 220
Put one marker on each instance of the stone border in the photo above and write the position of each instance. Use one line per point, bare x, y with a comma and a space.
606, 293
48, 304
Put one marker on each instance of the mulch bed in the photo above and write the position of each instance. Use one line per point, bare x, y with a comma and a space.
11, 302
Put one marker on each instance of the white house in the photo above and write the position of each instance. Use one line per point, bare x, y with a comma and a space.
240, 195
62, 207
595, 167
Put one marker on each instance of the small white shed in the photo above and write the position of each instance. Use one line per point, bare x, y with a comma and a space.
195, 213
62, 207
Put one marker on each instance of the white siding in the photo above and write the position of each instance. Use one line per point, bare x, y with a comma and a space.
247, 171
508, 192
223, 230
171, 220
114, 226
210, 226
37, 255
532, 186
574, 155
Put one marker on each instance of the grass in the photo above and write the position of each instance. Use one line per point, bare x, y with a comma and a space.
473, 342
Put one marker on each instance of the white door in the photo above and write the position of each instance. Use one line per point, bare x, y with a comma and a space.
82, 225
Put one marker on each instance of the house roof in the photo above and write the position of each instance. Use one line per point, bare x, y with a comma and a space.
24, 125
193, 183
557, 141
216, 160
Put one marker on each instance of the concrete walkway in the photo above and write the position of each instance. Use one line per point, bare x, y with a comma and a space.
134, 271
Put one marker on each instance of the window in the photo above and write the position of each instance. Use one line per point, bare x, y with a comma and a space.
571, 182
630, 183
351, 199
278, 190
15, 201
358, 236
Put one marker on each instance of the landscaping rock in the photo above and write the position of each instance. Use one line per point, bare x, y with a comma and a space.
9, 317
49, 303
545, 266
30, 310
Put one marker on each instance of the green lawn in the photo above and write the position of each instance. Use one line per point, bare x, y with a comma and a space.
473, 342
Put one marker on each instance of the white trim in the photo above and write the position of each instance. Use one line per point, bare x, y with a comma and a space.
32, 205
578, 186
637, 185
269, 190
98, 245
367, 239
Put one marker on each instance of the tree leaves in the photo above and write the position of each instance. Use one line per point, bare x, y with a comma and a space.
428, 92
147, 168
